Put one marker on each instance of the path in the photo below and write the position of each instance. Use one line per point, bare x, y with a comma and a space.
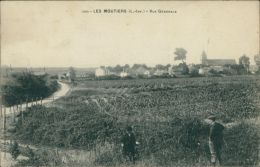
62, 92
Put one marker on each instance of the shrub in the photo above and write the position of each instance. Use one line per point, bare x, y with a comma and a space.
14, 150
194, 73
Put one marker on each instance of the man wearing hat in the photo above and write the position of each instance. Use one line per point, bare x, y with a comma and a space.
128, 142
215, 140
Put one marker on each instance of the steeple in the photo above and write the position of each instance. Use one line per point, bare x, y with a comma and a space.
203, 59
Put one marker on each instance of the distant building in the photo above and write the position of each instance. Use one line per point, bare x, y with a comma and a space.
219, 69
39, 73
141, 70
160, 72
128, 72
174, 70
205, 70
215, 62
102, 72
192, 67
149, 73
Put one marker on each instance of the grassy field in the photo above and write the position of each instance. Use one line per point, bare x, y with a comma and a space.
167, 116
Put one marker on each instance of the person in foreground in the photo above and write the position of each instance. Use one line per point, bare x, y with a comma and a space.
215, 140
128, 143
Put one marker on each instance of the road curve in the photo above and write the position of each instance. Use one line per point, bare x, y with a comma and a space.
58, 94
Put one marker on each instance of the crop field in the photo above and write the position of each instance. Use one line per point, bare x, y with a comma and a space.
167, 116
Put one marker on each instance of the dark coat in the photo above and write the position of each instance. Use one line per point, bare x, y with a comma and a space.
216, 133
129, 143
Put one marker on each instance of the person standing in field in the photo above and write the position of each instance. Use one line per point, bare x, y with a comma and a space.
128, 143
215, 140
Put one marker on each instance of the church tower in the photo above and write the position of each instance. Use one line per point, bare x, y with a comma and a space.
203, 59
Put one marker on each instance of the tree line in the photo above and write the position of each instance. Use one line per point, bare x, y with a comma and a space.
25, 86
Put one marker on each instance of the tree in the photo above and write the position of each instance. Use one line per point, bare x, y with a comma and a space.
244, 60
239, 67
126, 66
180, 54
257, 59
72, 74
194, 73
159, 67
185, 69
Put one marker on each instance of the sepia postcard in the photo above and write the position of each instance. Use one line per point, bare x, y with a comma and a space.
130, 83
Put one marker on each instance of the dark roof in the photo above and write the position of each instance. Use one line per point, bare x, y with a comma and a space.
105, 69
130, 71
177, 69
220, 62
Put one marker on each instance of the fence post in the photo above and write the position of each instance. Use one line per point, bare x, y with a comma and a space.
36, 100
17, 105
41, 101
21, 108
53, 101
4, 119
57, 153
14, 113
11, 114
26, 104
32, 101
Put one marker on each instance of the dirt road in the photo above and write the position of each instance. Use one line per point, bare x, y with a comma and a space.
64, 89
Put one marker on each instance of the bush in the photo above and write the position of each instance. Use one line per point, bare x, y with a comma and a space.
194, 73
24, 86
14, 150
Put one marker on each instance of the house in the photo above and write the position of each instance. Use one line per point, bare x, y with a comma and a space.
160, 72
219, 69
205, 70
39, 73
253, 68
192, 67
175, 70
215, 62
128, 72
102, 71
141, 70
149, 73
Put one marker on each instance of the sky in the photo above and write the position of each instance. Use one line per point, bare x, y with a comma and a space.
59, 34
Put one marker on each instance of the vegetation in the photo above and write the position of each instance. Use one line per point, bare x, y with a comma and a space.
180, 54
22, 86
244, 60
167, 116
72, 74
14, 150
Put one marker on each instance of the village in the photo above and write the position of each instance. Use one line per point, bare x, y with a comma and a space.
207, 67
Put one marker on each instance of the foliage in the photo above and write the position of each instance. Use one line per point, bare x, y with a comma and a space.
167, 120
194, 73
135, 66
72, 74
54, 77
162, 67
257, 59
14, 150
239, 67
212, 71
24, 86
244, 60
43, 158
180, 54
185, 69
